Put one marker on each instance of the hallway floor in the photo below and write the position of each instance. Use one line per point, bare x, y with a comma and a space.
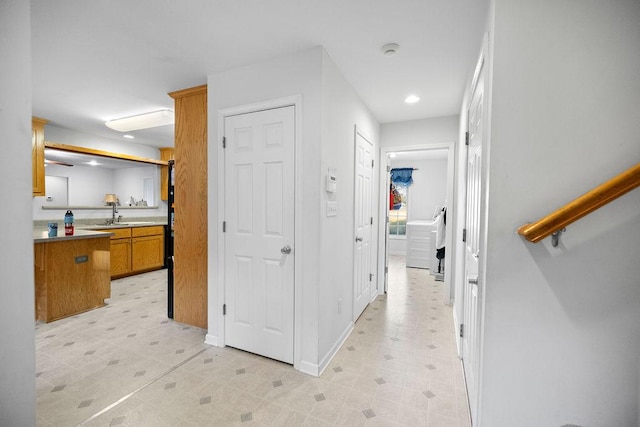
127, 365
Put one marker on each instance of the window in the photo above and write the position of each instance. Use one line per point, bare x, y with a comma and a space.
398, 210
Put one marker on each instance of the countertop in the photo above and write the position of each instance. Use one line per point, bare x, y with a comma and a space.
42, 236
125, 224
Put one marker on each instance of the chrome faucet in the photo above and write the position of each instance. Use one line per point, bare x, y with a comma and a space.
114, 210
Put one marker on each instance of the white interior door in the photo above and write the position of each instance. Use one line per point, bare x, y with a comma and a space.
259, 223
472, 296
363, 279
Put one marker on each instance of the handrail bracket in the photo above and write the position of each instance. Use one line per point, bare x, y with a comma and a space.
555, 237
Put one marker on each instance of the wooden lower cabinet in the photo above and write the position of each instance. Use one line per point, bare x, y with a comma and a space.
120, 257
136, 249
71, 276
147, 248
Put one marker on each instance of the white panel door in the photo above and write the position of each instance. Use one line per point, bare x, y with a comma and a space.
470, 336
362, 280
259, 206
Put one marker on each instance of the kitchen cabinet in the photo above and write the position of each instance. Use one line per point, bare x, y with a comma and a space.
166, 153
71, 276
190, 207
121, 252
136, 250
37, 155
147, 248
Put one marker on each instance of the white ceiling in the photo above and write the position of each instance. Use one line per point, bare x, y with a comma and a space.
98, 60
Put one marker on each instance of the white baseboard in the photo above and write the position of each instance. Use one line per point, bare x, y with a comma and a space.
212, 340
309, 368
317, 369
456, 327
335, 348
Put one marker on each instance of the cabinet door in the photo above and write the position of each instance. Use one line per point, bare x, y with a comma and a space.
147, 252
37, 155
120, 256
165, 154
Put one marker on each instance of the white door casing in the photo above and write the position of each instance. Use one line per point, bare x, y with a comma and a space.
383, 209
387, 184
472, 286
259, 235
363, 214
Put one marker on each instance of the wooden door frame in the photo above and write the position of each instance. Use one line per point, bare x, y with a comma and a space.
448, 293
292, 101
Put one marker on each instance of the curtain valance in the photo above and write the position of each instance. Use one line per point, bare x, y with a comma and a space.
402, 176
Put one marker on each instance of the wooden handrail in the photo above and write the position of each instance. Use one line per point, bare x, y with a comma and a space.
583, 205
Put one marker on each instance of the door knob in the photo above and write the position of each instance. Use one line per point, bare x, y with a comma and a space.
286, 249
358, 239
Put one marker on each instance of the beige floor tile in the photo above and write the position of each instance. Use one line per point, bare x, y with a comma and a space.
327, 410
386, 409
289, 418
412, 416
398, 367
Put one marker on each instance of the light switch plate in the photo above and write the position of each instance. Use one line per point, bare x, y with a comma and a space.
332, 208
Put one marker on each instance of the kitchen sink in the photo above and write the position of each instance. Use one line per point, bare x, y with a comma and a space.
125, 224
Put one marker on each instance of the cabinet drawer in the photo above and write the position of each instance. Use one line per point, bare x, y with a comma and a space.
120, 233
153, 230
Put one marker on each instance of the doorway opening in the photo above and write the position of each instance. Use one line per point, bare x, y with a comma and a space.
416, 190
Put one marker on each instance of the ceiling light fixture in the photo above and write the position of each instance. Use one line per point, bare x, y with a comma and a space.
392, 155
128, 136
390, 49
142, 121
412, 99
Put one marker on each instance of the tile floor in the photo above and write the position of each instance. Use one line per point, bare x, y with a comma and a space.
127, 365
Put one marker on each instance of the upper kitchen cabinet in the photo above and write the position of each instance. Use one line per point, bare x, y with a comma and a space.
166, 153
190, 223
37, 155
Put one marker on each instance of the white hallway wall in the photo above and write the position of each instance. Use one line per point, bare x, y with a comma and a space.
327, 141
431, 131
429, 188
17, 351
562, 325
341, 110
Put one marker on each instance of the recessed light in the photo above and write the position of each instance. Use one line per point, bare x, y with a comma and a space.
128, 136
93, 163
392, 155
412, 99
